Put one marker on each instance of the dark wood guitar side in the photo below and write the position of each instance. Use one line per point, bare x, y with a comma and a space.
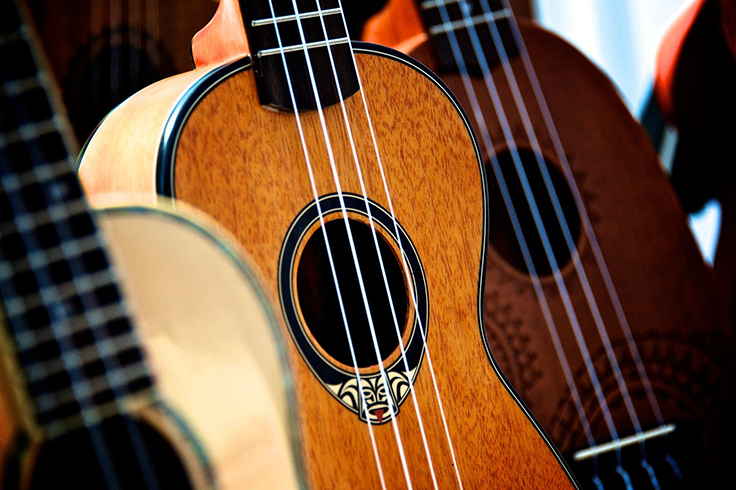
673, 305
205, 138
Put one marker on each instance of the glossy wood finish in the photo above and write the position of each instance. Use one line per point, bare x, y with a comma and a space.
670, 299
245, 166
211, 344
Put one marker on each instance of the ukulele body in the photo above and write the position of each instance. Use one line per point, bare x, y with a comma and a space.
207, 141
223, 399
673, 306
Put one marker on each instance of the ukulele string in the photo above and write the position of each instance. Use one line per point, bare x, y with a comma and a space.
565, 228
353, 251
371, 221
582, 276
621, 316
405, 265
595, 247
631, 344
545, 239
485, 134
331, 261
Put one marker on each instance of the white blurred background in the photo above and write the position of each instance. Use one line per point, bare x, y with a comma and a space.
622, 37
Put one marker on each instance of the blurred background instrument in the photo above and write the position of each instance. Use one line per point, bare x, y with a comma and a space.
598, 305
193, 395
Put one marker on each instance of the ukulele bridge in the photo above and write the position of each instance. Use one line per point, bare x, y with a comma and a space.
638, 438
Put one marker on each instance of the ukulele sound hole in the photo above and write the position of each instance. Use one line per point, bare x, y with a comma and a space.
502, 234
120, 453
318, 299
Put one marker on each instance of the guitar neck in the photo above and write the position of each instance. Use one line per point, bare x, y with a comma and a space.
70, 327
462, 31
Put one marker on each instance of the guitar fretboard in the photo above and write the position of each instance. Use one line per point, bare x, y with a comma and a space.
316, 26
72, 333
471, 24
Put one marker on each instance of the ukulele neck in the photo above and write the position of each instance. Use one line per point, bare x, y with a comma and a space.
462, 32
279, 37
65, 318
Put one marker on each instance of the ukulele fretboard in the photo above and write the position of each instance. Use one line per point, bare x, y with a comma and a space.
280, 37
72, 333
468, 32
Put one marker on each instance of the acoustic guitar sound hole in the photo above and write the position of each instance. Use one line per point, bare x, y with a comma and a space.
318, 299
502, 234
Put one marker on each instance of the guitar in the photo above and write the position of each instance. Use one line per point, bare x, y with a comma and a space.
195, 397
375, 261
598, 306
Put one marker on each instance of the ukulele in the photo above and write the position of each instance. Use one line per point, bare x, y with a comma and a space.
597, 304
196, 397
352, 177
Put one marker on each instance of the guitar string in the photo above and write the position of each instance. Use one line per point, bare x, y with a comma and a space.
371, 221
623, 388
583, 279
405, 265
353, 251
321, 216
586, 222
96, 434
539, 292
590, 233
582, 275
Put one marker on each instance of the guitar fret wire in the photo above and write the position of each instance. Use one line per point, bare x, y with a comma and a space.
55, 253
91, 387
47, 368
115, 379
343, 314
16, 87
301, 47
430, 4
31, 221
114, 312
92, 416
29, 131
463, 24
371, 221
288, 18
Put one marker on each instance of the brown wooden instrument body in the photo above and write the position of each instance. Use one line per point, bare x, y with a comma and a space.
672, 303
245, 166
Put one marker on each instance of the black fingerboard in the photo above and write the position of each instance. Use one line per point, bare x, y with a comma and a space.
274, 72
70, 327
454, 25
